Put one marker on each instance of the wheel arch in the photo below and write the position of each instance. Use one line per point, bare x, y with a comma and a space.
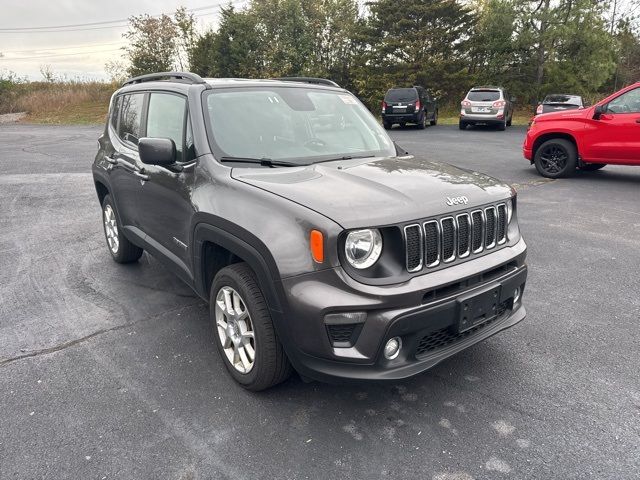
216, 247
550, 136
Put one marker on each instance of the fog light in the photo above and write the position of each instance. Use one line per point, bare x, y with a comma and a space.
516, 295
392, 348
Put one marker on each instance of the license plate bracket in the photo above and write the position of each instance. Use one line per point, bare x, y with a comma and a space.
480, 110
478, 307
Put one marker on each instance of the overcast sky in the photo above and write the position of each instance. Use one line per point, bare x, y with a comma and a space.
78, 51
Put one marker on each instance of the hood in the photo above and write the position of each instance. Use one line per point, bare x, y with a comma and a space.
361, 193
568, 114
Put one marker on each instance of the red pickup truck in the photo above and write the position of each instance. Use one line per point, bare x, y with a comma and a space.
588, 139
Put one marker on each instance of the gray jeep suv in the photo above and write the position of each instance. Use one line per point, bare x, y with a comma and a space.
319, 245
487, 106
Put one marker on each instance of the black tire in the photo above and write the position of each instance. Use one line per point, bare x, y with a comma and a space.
462, 125
422, 124
502, 126
556, 158
434, 122
592, 167
387, 125
271, 365
510, 121
126, 252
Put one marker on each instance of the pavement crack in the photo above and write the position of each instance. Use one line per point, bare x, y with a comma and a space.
78, 341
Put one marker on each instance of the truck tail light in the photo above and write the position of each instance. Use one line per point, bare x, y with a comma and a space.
418, 105
384, 105
465, 103
539, 110
316, 245
499, 104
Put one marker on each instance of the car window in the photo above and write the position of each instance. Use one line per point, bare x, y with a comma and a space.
115, 112
628, 102
131, 118
563, 99
483, 95
401, 95
165, 118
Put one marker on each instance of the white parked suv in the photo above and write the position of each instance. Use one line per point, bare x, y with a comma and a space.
487, 106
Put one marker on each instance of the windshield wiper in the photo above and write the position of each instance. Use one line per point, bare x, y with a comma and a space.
345, 157
264, 161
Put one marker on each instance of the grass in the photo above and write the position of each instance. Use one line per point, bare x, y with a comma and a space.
59, 102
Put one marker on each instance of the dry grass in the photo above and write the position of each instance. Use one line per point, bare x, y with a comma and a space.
67, 102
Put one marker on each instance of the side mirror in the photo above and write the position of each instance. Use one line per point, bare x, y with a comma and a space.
157, 151
599, 111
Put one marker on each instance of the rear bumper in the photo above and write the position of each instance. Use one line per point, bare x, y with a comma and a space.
428, 328
402, 117
482, 119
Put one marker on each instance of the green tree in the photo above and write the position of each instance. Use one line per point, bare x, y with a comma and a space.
235, 50
409, 42
152, 44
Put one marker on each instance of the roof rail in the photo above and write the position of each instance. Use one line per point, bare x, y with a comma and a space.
313, 80
186, 77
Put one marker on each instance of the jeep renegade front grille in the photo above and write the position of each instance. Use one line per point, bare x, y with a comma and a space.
447, 239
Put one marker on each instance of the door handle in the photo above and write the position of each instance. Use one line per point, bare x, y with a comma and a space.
140, 175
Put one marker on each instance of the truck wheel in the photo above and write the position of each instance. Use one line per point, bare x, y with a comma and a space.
462, 125
502, 126
592, 167
422, 123
121, 249
246, 339
556, 158
434, 122
510, 121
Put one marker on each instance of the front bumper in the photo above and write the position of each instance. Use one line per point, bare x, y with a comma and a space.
426, 322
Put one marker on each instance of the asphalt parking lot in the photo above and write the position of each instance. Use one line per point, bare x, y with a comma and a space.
110, 371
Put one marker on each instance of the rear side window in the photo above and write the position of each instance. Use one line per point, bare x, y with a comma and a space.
130, 128
483, 95
166, 118
115, 111
401, 95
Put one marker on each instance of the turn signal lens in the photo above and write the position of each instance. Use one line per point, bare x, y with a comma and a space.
465, 103
499, 104
316, 243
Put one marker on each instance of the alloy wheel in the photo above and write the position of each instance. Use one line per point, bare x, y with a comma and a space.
235, 329
111, 229
553, 159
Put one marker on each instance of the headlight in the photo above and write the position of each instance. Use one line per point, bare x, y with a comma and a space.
509, 210
363, 248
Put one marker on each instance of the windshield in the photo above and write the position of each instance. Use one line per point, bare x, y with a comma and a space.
568, 99
299, 125
401, 95
483, 95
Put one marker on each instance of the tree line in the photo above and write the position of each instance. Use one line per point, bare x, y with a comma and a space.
531, 47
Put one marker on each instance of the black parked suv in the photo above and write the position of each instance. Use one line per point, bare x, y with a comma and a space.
318, 244
409, 105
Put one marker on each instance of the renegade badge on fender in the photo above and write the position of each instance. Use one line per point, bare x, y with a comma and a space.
319, 245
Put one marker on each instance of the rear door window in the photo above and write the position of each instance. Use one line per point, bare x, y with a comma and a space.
401, 95
166, 119
115, 112
483, 96
130, 128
